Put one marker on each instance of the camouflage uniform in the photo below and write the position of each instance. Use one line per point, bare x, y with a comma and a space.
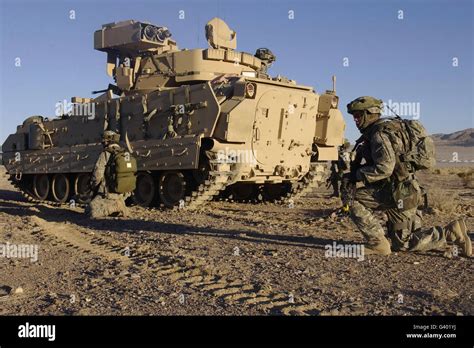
105, 203
380, 152
404, 225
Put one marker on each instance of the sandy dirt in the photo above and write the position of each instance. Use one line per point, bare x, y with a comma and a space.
227, 259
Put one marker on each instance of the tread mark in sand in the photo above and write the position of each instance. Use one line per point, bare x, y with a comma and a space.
192, 273
71, 237
189, 272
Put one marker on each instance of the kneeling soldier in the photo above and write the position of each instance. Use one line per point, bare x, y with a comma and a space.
113, 179
387, 155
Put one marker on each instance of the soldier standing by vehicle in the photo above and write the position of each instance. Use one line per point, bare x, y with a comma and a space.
338, 168
113, 178
386, 157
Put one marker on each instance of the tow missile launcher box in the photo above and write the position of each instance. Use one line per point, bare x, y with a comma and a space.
132, 36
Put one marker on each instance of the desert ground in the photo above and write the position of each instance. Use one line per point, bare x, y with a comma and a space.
228, 259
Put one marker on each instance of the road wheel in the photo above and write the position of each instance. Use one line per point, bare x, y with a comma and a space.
60, 188
41, 186
145, 191
172, 188
82, 189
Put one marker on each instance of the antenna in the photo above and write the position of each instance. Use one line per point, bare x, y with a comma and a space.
388, 107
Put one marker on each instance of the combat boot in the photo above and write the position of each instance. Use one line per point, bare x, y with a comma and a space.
456, 231
377, 247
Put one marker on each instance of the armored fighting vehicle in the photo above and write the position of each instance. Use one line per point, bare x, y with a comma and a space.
202, 123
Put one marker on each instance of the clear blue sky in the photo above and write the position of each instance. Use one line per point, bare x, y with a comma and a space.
407, 60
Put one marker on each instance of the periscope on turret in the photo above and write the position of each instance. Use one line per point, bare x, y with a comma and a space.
202, 123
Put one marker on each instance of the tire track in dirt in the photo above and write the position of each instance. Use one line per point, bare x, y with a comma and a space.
197, 275
71, 236
186, 271
296, 220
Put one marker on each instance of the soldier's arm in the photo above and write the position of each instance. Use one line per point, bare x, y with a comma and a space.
99, 169
383, 157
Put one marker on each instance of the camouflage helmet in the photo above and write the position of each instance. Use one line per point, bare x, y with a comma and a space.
110, 137
370, 107
370, 104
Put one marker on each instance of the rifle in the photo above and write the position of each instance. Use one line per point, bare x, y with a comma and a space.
348, 189
347, 196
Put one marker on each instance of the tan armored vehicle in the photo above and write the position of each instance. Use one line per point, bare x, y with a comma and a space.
202, 123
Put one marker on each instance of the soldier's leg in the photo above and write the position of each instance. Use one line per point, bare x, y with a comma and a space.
123, 210
365, 201
430, 239
117, 204
437, 238
97, 207
400, 225
112, 207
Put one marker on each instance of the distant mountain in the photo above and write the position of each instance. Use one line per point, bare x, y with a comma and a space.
460, 138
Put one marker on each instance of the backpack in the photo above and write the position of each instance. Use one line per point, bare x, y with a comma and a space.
422, 149
121, 172
419, 147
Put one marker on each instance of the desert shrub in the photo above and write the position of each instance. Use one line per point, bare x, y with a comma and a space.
442, 200
467, 178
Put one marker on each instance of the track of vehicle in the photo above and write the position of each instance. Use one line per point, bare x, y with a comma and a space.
185, 271
215, 186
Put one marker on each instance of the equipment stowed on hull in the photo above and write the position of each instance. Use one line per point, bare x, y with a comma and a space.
202, 123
